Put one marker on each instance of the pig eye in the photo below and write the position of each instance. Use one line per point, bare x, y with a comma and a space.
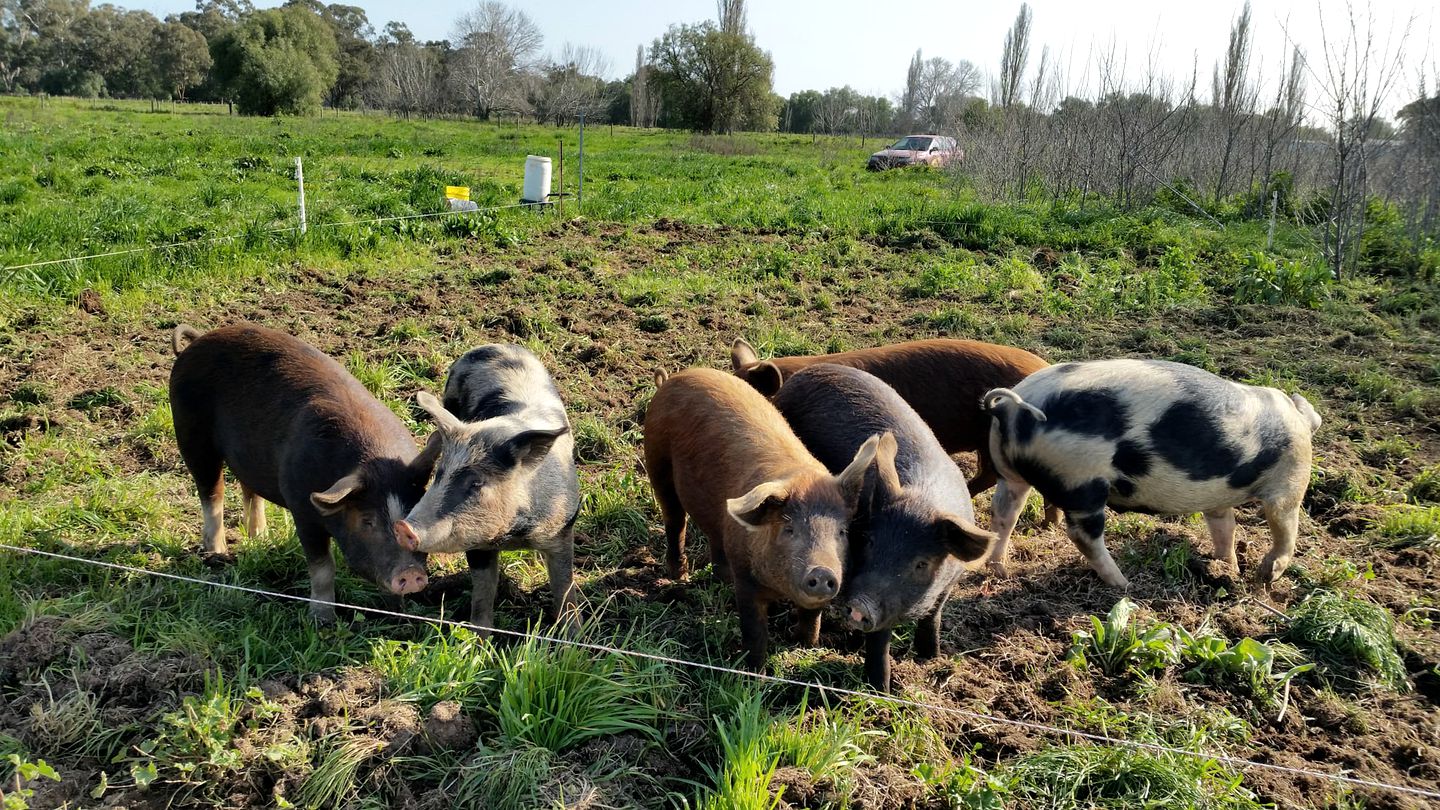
788, 529
367, 521
922, 566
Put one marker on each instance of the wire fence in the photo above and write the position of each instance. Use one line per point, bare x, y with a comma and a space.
210, 240
982, 718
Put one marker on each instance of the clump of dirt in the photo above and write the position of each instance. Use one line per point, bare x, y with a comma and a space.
447, 728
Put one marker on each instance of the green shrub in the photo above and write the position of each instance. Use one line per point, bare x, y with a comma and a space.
1425, 487
1247, 662
1291, 282
1118, 647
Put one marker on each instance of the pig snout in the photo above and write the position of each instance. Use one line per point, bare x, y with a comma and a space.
408, 580
407, 537
820, 583
861, 616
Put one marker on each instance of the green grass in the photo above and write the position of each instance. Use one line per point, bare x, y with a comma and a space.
557, 696
1352, 638
1099, 777
1411, 526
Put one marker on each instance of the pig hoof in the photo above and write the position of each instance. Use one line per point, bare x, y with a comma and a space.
1117, 581
679, 573
217, 559
322, 615
997, 569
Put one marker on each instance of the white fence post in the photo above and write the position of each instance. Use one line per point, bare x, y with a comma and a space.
300, 181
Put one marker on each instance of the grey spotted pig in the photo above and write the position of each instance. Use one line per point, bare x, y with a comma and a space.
1150, 436
506, 475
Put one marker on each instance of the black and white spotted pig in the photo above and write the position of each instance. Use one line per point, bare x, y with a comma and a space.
506, 476
1149, 436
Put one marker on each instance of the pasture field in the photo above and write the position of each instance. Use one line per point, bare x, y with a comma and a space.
140, 692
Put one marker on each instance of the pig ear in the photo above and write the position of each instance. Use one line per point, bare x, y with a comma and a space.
760, 505
742, 354
888, 477
851, 480
330, 501
964, 539
531, 446
443, 418
422, 465
766, 378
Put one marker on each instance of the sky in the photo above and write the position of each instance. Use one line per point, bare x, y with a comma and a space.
818, 44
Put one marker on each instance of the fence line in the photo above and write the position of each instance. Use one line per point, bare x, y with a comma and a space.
979, 717
232, 237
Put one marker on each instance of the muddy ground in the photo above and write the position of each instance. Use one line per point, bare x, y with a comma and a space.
1004, 640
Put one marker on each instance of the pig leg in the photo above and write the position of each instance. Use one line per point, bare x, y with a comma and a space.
316, 543
1284, 520
207, 468
754, 635
718, 562
1052, 514
985, 475
1005, 508
1087, 532
254, 512
484, 582
927, 633
807, 626
877, 660
1221, 523
673, 513
560, 565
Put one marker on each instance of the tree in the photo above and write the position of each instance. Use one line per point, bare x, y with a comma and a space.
644, 106
278, 61
1355, 75
407, 77
712, 80
353, 37
1233, 95
800, 111
910, 99
496, 47
114, 45
570, 86
1012, 60
213, 19
45, 48
180, 59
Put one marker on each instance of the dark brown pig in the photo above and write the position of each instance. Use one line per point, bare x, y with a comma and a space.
296, 429
942, 379
777, 520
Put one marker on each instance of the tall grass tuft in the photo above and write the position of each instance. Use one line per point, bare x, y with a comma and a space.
452, 664
1114, 777
1352, 639
556, 696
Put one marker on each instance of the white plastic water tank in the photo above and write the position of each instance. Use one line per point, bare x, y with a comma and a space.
537, 179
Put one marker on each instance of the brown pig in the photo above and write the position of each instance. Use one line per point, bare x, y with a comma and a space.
296, 429
777, 520
943, 379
